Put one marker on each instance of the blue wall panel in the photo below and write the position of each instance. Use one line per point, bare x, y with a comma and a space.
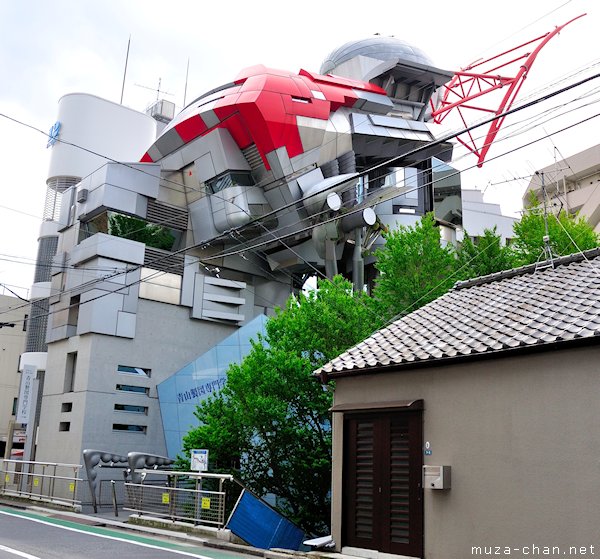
261, 526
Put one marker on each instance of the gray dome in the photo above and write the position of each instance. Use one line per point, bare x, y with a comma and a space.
377, 47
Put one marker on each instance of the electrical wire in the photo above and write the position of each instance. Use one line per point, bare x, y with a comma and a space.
363, 173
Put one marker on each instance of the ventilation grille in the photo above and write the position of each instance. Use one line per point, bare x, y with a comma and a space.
36, 327
253, 157
46, 251
60, 184
170, 217
56, 186
164, 261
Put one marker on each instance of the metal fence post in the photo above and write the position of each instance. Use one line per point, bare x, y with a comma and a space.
114, 496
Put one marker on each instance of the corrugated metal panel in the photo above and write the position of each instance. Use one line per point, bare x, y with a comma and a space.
164, 261
170, 217
261, 526
253, 157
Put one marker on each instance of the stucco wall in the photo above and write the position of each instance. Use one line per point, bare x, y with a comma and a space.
521, 436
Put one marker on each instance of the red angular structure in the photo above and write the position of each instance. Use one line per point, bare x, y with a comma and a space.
470, 89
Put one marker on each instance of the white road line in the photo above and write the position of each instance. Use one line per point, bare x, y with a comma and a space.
124, 540
17, 552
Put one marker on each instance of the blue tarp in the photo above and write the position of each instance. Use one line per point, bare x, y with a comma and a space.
261, 526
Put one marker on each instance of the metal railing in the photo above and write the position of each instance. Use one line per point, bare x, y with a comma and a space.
194, 497
41, 481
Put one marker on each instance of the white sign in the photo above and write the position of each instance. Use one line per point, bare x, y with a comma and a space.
199, 460
25, 394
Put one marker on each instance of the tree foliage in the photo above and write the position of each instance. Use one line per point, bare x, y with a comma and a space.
568, 234
271, 420
488, 256
414, 268
140, 230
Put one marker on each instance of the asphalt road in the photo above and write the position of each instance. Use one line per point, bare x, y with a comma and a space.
26, 535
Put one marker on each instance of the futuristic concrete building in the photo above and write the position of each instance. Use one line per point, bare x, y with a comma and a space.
170, 245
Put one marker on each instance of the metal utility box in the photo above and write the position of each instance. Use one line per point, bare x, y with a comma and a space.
436, 477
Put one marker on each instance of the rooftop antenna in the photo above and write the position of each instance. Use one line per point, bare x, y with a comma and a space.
186, 82
125, 71
157, 89
546, 238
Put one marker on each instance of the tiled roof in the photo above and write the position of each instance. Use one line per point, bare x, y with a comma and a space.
529, 306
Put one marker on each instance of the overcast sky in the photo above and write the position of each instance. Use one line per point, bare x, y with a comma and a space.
48, 49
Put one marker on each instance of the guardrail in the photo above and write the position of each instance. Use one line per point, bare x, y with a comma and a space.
195, 497
50, 482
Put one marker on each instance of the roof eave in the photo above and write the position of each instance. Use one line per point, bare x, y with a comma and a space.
326, 376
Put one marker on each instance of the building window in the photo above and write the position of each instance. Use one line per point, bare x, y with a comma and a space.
25, 322
129, 428
229, 179
131, 408
131, 388
14, 407
66, 407
138, 371
74, 310
64, 426
70, 369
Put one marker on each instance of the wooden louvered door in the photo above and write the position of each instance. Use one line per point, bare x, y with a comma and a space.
383, 506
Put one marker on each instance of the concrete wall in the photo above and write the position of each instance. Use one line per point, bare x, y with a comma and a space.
166, 340
12, 343
521, 436
479, 215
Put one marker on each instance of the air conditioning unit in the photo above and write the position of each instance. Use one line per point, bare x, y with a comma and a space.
163, 111
82, 195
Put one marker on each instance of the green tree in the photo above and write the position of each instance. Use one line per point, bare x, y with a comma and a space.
271, 420
485, 257
414, 268
140, 230
567, 233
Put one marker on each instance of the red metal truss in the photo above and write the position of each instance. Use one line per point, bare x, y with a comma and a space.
467, 89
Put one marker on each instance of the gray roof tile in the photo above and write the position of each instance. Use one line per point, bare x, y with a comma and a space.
523, 307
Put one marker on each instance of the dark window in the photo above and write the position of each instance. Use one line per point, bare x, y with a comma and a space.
131, 408
25, 322
70, 369
447, 202
139, 371
66, 407
129, 428
229, 179
14, 407
64, 426
74, 310
131, 388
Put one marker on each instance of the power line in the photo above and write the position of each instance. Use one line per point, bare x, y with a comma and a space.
361, 174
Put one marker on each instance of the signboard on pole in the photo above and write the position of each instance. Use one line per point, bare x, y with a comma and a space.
26, 403
199, 460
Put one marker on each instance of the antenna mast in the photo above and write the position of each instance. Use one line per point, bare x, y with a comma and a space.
186, 82
125, 71
546, 239
157, 89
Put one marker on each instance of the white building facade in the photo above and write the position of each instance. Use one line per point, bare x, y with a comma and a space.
571, 184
